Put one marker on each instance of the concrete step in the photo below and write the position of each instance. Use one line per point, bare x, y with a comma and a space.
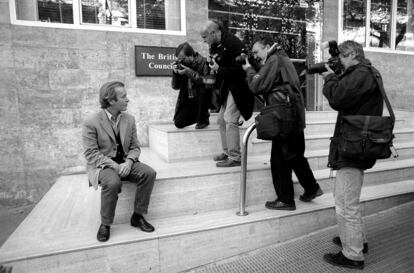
189, 188
174, 144
321, 141
59, 235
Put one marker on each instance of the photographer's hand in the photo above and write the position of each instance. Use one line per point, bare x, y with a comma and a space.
247, 64
328, 72
213, 65
184, 70
175, 68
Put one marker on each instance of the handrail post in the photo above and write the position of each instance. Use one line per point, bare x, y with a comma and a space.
242, 203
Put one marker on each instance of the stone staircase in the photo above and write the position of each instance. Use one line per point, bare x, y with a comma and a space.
194, 205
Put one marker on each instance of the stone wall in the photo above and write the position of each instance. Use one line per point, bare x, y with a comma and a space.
49, 79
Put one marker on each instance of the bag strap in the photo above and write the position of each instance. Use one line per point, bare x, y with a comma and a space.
378, 79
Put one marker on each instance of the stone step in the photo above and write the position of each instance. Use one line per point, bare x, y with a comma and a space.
198, 187
59, 235
173, 144
321, 141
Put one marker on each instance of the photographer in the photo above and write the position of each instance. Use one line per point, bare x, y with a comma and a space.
194, 99
235, 97
274, 80
354, 92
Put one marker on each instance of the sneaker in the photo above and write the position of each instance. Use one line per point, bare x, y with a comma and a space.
340, 260
337, 241
305, 197
228, 163
279, 205
220, 157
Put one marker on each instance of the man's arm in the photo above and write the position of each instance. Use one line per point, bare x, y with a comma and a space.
262, 81
91, 150
343, 93
134, 146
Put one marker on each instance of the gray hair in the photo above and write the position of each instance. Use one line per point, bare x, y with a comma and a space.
107, 93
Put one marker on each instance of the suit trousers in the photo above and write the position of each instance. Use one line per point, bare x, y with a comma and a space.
111, 184
287, 155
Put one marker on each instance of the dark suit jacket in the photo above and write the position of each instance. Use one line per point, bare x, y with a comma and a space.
99, 143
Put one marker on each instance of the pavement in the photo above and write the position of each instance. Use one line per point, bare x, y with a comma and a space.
391, 249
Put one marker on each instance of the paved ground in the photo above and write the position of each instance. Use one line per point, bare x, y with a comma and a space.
390, 239
10, 219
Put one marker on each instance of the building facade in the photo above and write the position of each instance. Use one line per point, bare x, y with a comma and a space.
55, 54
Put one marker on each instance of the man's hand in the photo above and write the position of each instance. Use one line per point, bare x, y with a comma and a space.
328, 72
247, 64
125, 168
184, 70
213, 65
175, 68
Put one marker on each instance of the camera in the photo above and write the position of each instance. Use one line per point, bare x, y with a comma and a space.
178, 64
333, 62
241, 59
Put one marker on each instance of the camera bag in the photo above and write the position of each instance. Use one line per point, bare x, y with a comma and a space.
285, 114
368, 137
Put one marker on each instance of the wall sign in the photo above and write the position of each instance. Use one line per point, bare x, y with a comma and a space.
154, 61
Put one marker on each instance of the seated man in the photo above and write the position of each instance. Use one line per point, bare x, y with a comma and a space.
112, 151
194, 99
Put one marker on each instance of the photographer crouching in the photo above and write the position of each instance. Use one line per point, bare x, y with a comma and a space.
193, 99
354, 92
278, 82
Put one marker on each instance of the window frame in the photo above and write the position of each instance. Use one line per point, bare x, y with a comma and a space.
77, 24
368, 48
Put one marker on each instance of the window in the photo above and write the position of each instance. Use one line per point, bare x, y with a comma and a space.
127, 15
387, 24
292, 23
105, 12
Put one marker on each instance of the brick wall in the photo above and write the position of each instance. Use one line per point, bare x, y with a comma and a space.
49, 80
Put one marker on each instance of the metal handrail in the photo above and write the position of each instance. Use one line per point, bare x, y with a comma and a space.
242, 203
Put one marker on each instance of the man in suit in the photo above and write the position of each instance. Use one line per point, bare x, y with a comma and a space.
112, 153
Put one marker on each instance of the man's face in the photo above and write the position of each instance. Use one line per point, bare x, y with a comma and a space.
209, 37
186, 60
347, 59
122, 103
260, 52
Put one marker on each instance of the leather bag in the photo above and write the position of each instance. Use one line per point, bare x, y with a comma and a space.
368, 137
276, 119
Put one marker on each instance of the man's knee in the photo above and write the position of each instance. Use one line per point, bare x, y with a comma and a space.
179, 124
114, 184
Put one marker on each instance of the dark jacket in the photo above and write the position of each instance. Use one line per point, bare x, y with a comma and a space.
270, 82
192, 81
355, 92
231, 76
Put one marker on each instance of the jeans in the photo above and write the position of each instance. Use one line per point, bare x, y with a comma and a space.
141, 174
347, 192
228, 120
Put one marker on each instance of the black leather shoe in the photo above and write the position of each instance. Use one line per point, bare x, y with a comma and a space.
306, 197
228, 163
140, 222
202, 125
279, 205
103, 233
340, 260
337, 241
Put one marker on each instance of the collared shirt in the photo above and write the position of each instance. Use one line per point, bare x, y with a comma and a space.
114, 123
